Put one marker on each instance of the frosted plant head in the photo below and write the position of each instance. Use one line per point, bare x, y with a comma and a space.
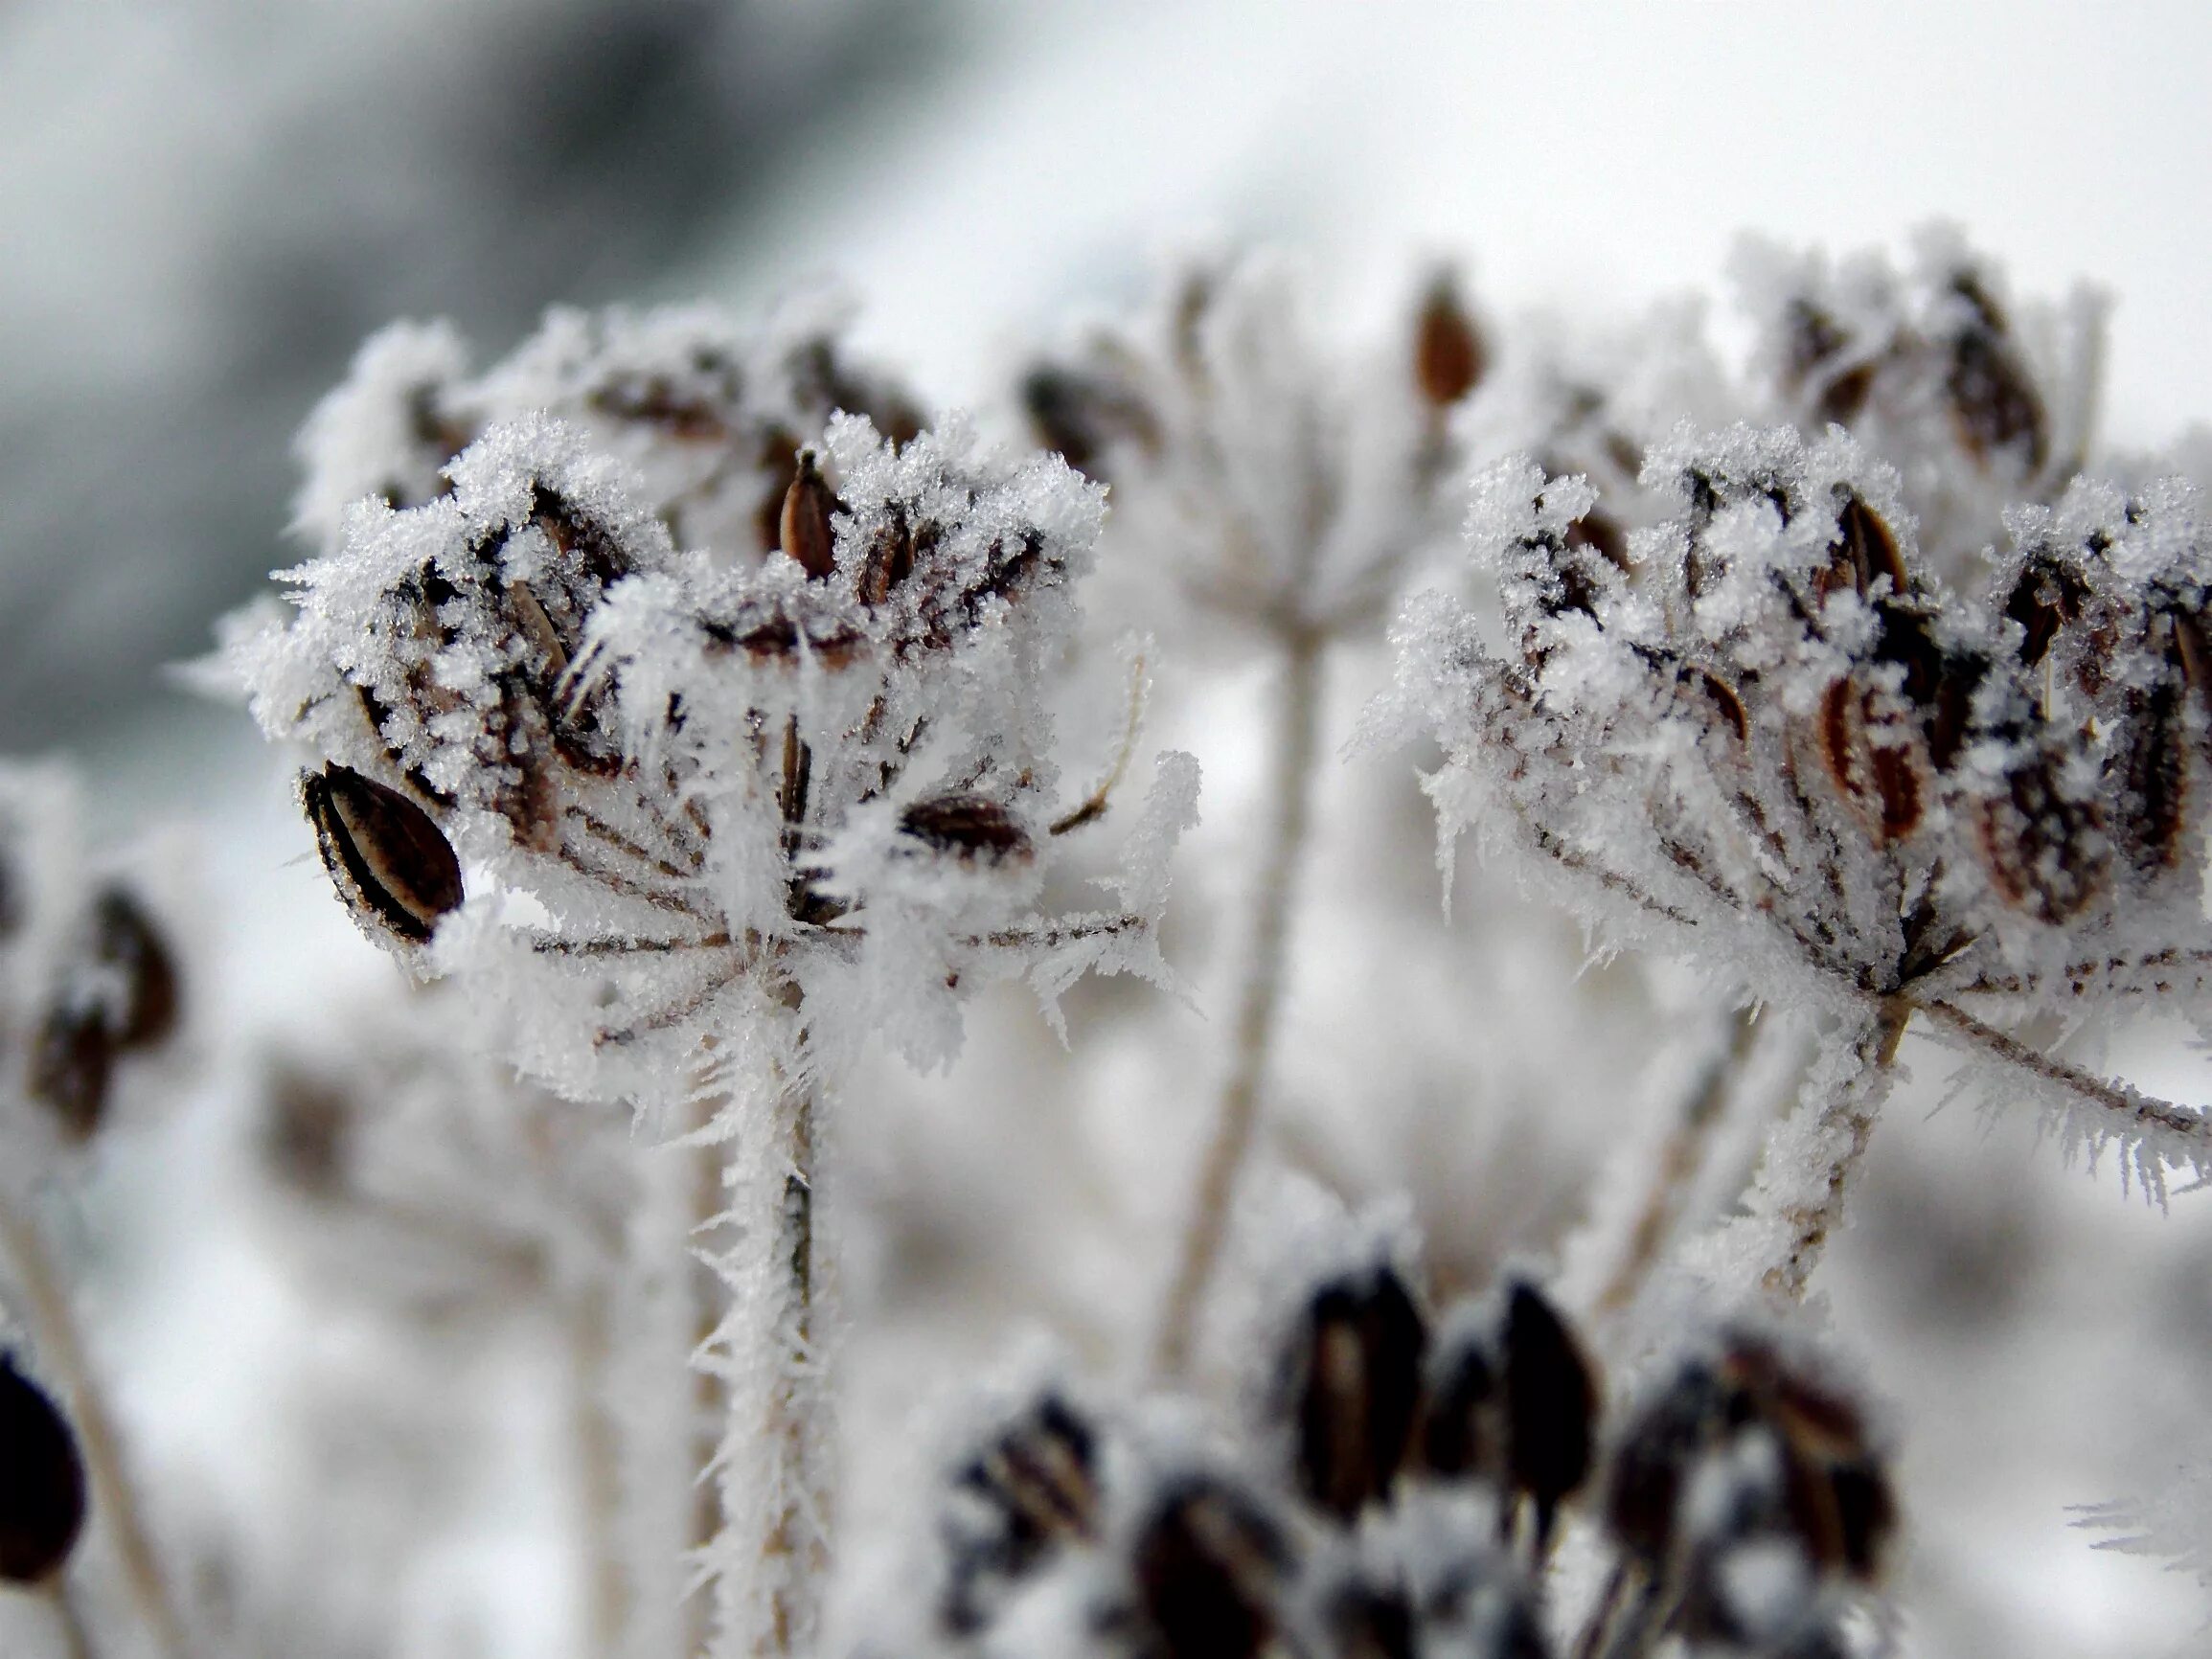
1279, 485
630, 781
89, 979
1769, 736
1978, 398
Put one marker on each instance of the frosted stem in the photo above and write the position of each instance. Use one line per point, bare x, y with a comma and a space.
774, 1468
1812, 1159
1678, 1162
1286, 807
599, 1471
2128, 1106
114, 1500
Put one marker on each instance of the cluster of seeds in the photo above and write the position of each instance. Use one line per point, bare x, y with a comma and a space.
1402, 1493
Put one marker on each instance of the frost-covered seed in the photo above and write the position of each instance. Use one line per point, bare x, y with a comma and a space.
391, 864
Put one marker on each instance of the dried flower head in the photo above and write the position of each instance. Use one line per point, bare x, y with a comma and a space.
1277, 487
661, 691
1771, 738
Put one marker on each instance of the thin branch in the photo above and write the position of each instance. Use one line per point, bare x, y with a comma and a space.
114, 1499
2141, 1112
1678, 1165
1287, 807
1842, 1125
1094, 807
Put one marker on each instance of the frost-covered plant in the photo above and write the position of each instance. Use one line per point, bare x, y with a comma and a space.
1764, 733
88, 983
1281, 491
1396, 1488
698, 797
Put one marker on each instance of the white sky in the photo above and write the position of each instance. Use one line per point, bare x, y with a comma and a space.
1593, 153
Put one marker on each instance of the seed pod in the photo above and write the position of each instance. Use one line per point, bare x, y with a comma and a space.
2046, 597
1659, 1451
973, 827
1994, 402
808, 535
42, 1500
1878, 764
1551, 1400
125, 943
2043, 850
390, 863
1862, 550
1037, 1480
70, 1062
1353, 1368
1447, 356
1084, 416
1210, 1566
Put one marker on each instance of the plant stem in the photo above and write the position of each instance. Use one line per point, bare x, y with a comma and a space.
1678, 1162
114, 1500
773, 1469
599, 1471
1805, 1198
1287, 809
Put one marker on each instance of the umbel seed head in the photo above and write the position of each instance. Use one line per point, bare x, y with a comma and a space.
41, 1481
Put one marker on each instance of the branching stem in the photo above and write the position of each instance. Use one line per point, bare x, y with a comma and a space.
1286, 807
114, 1500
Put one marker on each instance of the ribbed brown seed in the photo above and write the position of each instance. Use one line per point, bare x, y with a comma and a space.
968, 825
1210, 1566
2040, 847
1083, 415
125, 944
807, 533
1817, 342
1880, 766
390, 863
1037, 1480
1993, 401
1862, 550
1354, 1368
42, 1500
71, 1061
2156, 782
1448, 358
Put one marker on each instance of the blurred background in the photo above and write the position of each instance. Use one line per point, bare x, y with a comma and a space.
205, 204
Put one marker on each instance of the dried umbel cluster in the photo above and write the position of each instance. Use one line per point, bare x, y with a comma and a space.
1978, 401
682, 692
87, 979
1763, 731
1401, 1492
1282, 489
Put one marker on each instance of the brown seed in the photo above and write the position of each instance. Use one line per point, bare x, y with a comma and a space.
1551, 1400
1863, 550
41, 1481
1210, 1568
808, 535
1995, 405
126, 942
71, 1061
1447, 356
2042, 851
968, 825
391, 864
1037, 1478
1353, 1368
